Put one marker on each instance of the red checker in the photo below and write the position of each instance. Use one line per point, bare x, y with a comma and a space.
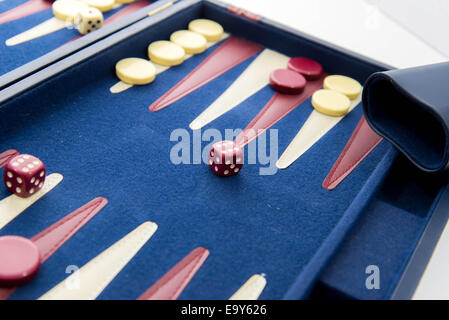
287, 81
307, 67
20, 260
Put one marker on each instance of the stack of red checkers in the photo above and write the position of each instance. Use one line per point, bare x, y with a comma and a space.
294, 79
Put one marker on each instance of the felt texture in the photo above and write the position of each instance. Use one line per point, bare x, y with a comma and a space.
393, 242
361, 143
385, 235
304, 285
15, 56
417, 263
112, 146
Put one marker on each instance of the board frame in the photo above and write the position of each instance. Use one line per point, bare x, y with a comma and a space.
48, 66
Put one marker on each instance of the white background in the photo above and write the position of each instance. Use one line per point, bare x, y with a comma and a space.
401, 33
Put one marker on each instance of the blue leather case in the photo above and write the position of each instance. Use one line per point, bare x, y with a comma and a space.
410, 108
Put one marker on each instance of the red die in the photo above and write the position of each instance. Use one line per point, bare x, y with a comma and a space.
226, 158
24, 175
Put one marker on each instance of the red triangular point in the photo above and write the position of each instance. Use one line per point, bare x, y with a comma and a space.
28, 8
171, 285
362, 142
275, 109
52, 238
6, 156
229, 54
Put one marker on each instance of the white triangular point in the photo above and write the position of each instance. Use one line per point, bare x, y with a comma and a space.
12, 206
88, 282
315, 127
46, 27
252, 289
122, 86
255, 77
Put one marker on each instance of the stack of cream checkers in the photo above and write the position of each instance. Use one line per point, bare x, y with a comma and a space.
164, 54
334, 99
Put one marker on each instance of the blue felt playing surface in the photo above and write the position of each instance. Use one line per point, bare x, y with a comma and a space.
386, 235
113, 146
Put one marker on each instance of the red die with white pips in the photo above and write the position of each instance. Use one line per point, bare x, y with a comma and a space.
226, 158
24, 175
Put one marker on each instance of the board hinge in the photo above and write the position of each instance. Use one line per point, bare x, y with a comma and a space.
244, 13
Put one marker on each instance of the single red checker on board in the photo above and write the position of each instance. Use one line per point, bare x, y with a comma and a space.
307, 67
287, 81
20, 260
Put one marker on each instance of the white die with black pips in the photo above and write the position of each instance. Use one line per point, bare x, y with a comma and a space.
88, 20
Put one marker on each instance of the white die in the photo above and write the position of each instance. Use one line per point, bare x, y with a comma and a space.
88, 20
